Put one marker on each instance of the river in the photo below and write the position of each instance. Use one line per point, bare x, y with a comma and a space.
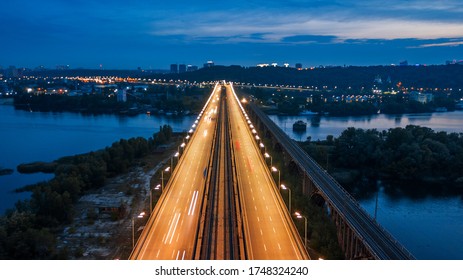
36, 136
430, 227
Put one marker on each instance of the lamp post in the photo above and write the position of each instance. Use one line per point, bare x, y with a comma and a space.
274, 169
289, 194
151, 197
162, 177
181, 146
299, 216
141, 215
172, 160
269, 156
262, 146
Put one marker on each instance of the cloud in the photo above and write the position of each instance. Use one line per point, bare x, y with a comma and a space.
276, 27
445, 44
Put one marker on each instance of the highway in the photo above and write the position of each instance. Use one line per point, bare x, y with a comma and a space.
171, 231
269, 231
379, 242
221, 232
221, 201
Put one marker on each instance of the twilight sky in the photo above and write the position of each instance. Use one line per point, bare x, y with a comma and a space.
153, 34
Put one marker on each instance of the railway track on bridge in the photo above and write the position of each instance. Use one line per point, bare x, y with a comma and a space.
219, 236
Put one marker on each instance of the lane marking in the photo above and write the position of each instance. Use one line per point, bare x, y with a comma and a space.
194, 199
173, 228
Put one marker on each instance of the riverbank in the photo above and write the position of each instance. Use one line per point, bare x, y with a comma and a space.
6, 171
101, 236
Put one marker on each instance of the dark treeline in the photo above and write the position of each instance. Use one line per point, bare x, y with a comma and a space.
433, 76
413, 154
335, 103
165, 97
28, 230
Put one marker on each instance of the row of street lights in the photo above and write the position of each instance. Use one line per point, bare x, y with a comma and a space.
177, 155
274, 169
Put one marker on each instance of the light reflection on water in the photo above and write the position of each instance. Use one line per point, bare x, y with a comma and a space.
319, 127
430, 227
36, 136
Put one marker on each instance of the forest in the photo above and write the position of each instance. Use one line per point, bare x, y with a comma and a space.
28, 231
414, 156
155, 98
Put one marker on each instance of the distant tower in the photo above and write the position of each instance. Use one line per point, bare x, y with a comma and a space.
181, 68
191, 68
208, 64
174, 68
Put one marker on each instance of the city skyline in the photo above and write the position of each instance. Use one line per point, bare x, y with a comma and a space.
116, 35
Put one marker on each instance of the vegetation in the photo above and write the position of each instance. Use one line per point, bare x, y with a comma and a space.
346, 102
416, 155
6, 171
321, 231
28, 231
104, 101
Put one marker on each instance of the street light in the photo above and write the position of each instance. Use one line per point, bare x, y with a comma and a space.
299, 216
289, 192
262, 146
141, 215
181, 146
274, 169
162, 177
172, 160
269, 156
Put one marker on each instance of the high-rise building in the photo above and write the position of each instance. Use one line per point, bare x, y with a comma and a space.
181, 68
210, 63
191, 68
174, 68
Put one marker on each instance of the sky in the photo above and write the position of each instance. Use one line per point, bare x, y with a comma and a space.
154, 34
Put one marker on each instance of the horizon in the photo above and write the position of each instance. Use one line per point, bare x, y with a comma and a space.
57, 67
116, 35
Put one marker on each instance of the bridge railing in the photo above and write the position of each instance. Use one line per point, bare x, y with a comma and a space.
330, 181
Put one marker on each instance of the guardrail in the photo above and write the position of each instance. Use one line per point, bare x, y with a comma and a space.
346, 206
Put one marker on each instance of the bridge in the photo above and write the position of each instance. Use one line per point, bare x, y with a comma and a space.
360, 236
221, 201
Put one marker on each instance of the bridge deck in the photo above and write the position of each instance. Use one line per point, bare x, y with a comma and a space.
377, 240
